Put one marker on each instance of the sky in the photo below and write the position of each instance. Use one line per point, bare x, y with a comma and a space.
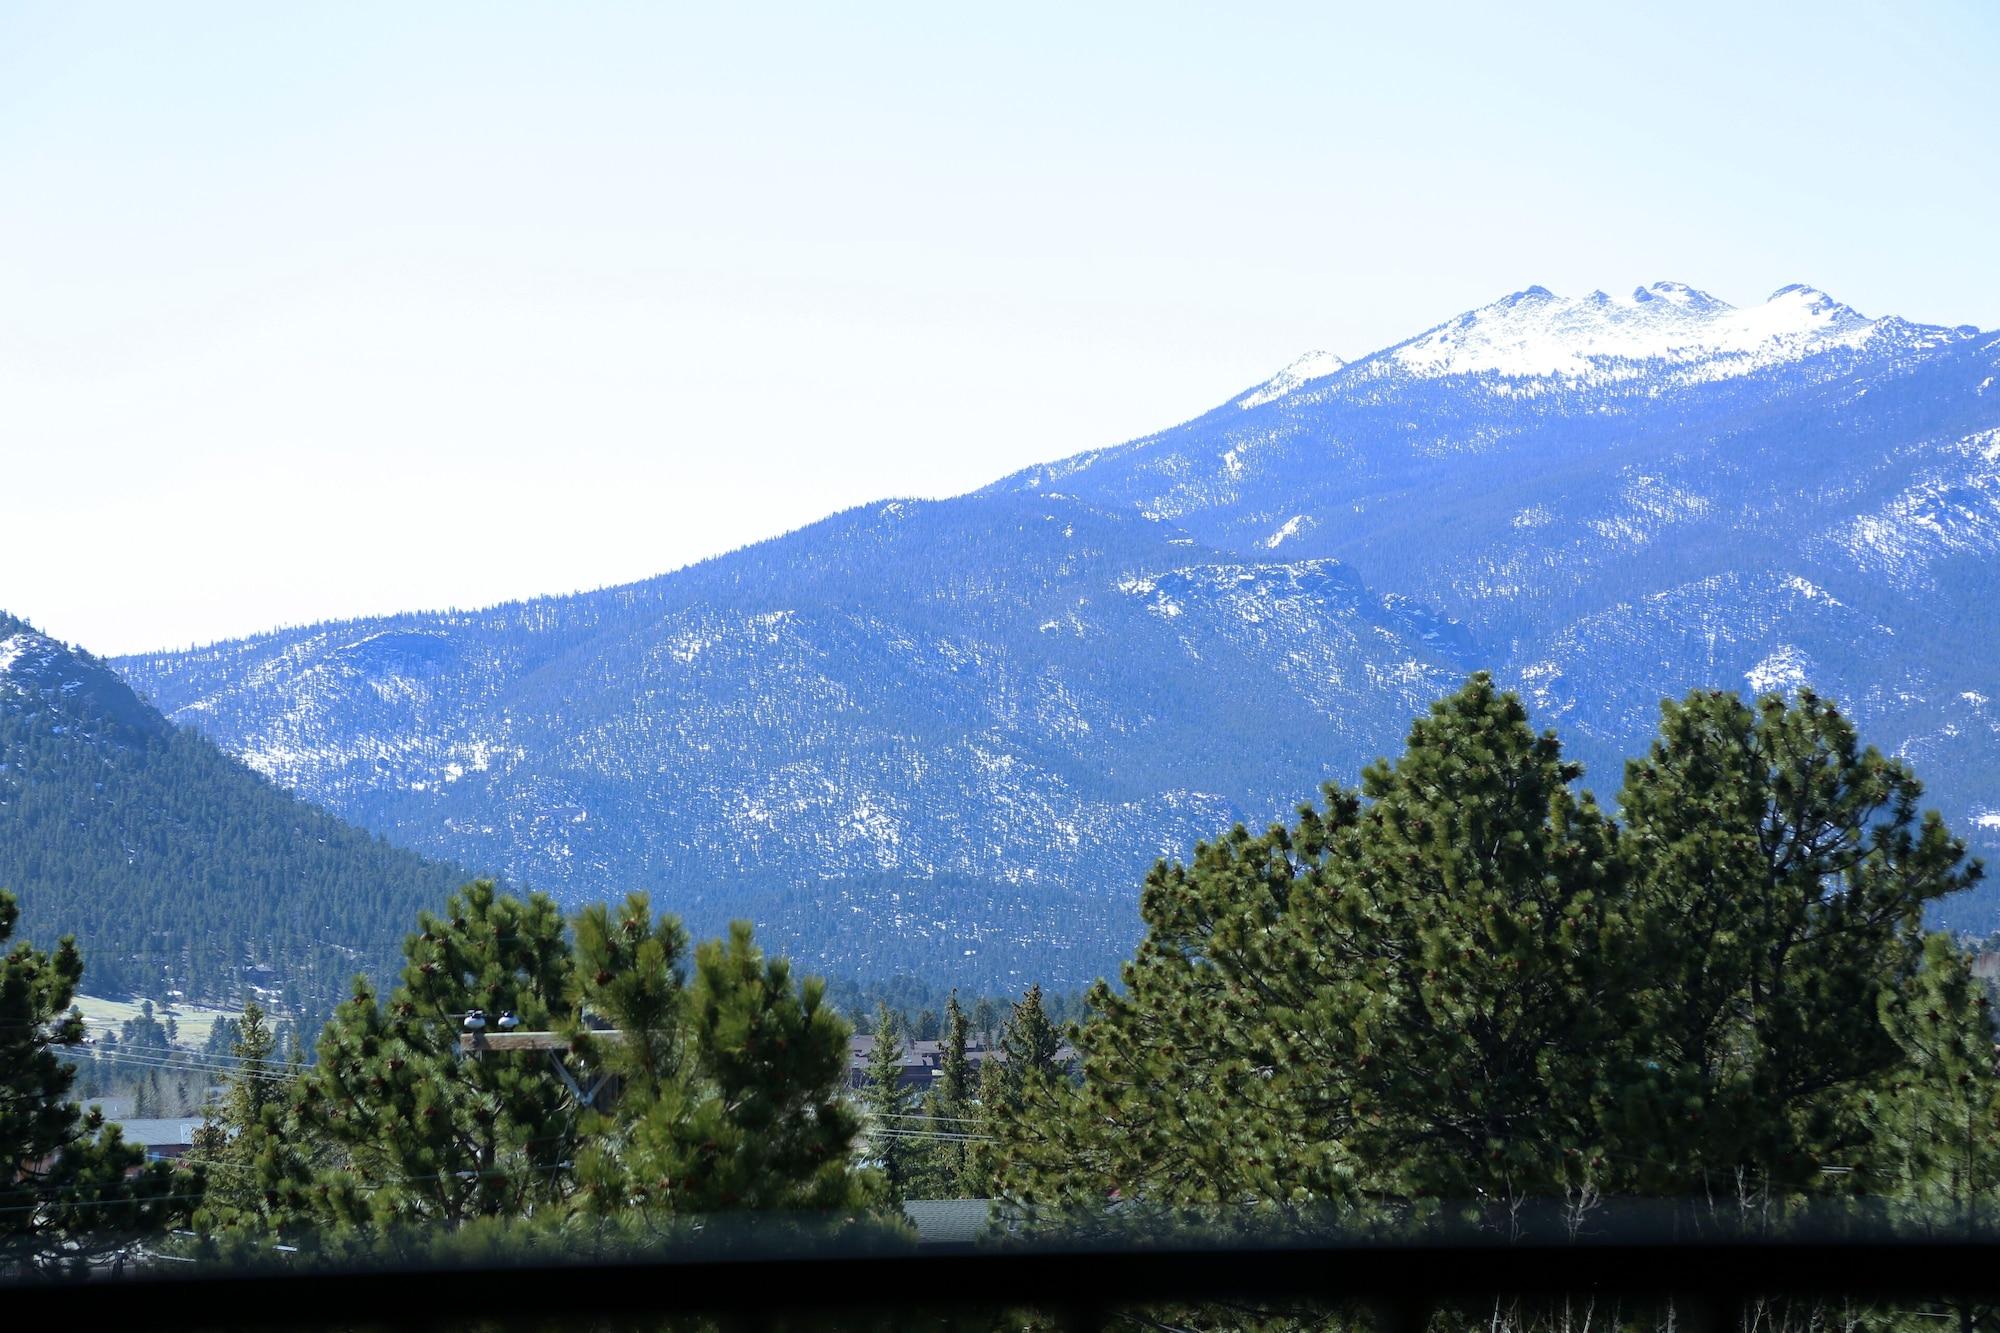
314, 312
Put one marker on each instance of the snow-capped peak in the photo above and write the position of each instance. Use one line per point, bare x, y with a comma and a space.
1535, 333
1311, 366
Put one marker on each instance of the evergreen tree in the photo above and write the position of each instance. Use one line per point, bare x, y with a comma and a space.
1780, 875
1465, 983
258, 1175
1030, 1044
945, 1171
748, 1115
895, 1147
954, 1067
223, 1036
1934, 1123
441, 1139
1470, 908
999, 1141
144, 1032
71, 1190
629, 971
1403, 996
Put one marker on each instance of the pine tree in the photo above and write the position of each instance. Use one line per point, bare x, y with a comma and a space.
999, 1144
1934, 1121
1202, 1081
144, 1031
1401, 996
629, 970
888, 1100
1781, 871
1030, 1043
261, 1175
442, 1140
630, 973
948, 1107
752, 1116
71, 1190
954, 1066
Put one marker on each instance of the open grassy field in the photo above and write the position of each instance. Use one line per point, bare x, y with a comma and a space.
191, 1021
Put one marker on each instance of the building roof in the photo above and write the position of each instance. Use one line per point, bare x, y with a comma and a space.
177, 1132
931, 1052
949, 1221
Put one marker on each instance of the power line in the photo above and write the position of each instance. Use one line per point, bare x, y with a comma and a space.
172, 1064
226, 1065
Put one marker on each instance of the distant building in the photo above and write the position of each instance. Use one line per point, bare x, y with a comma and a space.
950, 1221
923, 1061
163, 1140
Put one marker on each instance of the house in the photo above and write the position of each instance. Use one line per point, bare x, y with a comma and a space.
923, 1061
163, 1140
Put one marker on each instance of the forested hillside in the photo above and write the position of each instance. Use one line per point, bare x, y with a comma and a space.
1622, 497
174, 865
939, 738
919, 729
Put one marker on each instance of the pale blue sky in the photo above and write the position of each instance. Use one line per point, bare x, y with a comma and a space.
308, 313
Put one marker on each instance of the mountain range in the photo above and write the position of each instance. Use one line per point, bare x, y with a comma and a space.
948, 737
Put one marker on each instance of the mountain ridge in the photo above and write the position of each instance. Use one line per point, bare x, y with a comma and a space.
1021, 691
177, 868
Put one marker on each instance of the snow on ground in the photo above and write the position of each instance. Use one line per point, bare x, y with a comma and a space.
1784, 668
1535, 333
1293, 526
1312, 366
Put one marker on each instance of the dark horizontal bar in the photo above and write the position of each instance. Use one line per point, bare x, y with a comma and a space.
1718, 1274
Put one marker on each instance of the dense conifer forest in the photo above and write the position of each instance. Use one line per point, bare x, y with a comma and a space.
177, 867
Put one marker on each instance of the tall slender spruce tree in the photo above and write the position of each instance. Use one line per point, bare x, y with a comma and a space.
892, 1131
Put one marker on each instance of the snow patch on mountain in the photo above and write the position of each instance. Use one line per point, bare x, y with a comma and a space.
1650, 504
1157, 602
1291, 527
1809, 590
1312, 366
1785, 668
1666, 328
1951, 509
